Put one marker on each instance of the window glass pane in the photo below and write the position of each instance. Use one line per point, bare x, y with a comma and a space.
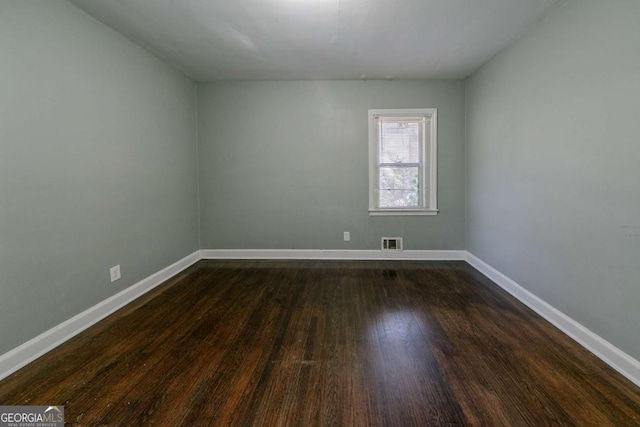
399, 142
399, 199
399, 187
399, 178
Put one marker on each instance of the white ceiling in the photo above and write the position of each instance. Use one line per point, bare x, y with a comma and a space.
321, 39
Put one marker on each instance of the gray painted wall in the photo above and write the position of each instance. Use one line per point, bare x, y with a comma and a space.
97, 165
553, 155
284, 164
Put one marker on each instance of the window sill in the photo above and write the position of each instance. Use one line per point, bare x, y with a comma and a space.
389, 212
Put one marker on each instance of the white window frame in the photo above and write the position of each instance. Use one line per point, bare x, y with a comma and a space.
428, 163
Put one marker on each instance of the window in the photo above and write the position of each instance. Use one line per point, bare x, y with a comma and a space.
402, 162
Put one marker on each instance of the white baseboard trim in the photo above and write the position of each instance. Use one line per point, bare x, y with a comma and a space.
332, 254
607, 352
45, 342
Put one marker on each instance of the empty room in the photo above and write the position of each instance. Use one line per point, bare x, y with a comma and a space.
320, 212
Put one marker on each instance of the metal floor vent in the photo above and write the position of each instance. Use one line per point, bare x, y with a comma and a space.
392, 243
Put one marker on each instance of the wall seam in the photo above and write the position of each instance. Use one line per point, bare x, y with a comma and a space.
198, 196
465, 204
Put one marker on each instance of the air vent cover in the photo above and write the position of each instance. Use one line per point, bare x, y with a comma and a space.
392, 243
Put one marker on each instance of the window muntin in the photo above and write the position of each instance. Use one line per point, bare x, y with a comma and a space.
402, 162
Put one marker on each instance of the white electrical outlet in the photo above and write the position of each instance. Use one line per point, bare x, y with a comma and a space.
115, 273
347, 236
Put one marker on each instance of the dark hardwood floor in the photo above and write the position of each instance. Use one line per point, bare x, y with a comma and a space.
304, 343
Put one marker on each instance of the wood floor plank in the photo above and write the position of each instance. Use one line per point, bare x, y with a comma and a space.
306, 343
